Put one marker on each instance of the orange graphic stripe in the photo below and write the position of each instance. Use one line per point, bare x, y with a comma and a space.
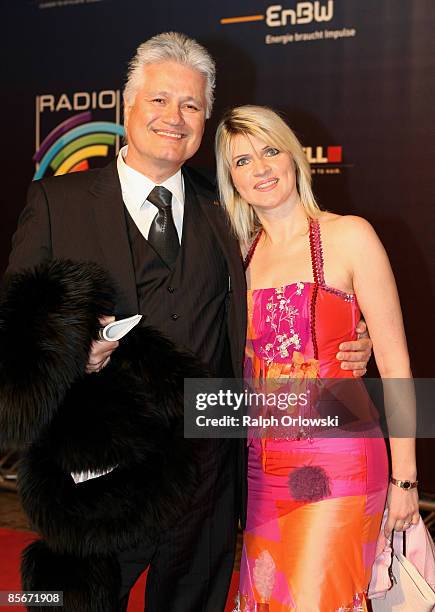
227, 20
82, 165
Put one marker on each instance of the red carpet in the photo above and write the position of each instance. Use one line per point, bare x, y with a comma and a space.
13, 542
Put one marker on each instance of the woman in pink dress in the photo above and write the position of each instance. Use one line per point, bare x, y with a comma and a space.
314, 503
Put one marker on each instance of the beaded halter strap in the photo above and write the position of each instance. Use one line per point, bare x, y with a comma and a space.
319, 278
318, 274
251, 251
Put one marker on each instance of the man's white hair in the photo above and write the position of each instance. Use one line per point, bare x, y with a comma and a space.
174, 47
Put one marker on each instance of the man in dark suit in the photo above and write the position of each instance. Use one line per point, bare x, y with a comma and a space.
157, 228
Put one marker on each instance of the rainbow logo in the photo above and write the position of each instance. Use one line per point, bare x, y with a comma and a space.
73, 142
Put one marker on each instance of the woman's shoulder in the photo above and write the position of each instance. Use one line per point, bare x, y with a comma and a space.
344, 228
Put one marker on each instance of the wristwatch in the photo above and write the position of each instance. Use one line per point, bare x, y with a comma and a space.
404, 484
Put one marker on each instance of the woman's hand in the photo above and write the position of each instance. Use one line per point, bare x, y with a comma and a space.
402, 507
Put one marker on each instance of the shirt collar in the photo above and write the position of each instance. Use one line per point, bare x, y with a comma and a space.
137, 187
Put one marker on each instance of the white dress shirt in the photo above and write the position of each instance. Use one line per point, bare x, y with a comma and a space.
136, 188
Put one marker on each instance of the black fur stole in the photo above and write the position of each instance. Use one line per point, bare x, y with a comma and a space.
128, 419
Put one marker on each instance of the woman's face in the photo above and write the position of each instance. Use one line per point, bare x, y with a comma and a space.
263, 175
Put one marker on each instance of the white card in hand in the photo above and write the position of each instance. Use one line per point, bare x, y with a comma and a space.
118, 329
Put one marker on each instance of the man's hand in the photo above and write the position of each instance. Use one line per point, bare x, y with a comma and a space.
354, 355
99, 354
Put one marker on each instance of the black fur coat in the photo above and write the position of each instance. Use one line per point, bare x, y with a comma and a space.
128, 417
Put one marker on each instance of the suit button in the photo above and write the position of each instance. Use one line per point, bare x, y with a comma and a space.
171, 289
174, 316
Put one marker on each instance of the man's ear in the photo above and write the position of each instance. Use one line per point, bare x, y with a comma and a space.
127, 110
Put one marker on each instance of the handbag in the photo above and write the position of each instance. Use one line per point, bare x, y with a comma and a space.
409, 591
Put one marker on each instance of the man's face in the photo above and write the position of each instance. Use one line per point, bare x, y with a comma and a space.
165, 123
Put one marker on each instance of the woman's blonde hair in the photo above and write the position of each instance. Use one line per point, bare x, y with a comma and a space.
267, 125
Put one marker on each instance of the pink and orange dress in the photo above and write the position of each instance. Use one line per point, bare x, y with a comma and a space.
314, 503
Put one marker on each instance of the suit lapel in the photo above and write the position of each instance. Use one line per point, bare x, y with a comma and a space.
113, 236
230, 248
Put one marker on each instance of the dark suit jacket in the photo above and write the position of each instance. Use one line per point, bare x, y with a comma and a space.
80, 216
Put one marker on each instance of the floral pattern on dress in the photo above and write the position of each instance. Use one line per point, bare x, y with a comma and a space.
281, 317
243, 604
